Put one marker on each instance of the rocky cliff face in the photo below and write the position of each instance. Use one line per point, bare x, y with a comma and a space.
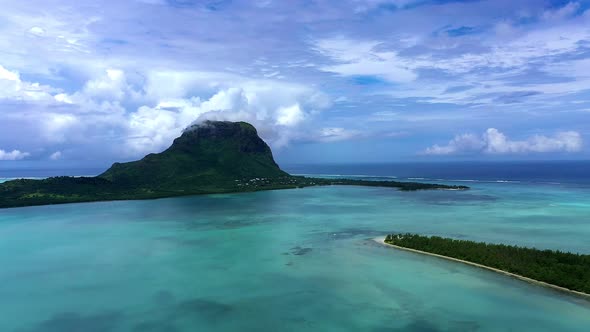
243, 133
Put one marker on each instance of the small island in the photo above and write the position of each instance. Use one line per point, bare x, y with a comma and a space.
208, 158
562, 271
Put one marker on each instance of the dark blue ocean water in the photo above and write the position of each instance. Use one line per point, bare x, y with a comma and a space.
566, 172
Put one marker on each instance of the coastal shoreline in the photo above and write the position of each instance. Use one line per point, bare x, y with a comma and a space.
381, 240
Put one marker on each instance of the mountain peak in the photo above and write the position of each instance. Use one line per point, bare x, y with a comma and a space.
243, 136
212, 127
211, 151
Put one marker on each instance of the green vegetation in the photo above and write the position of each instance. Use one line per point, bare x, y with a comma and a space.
558, 268
213, 157
403, 186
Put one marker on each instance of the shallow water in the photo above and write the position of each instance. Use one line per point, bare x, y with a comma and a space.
287, 260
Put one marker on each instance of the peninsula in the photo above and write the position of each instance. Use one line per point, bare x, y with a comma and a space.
562, 271
211, 157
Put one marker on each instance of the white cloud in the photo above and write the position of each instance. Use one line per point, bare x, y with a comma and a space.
63, 98
363, 58
461, 143
167, 84
8, 75
167, 102
13, 155
55, 126
333, 134
495, 142
37, 31
12, 87
569, 141
112, 85
276, 109
151, 129
56, 155
290, 116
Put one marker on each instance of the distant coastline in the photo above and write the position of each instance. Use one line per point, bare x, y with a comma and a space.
208, 158
66, 190
517, 172
578, 294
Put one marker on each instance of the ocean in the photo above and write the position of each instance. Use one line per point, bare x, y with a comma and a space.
296, 260
549, 172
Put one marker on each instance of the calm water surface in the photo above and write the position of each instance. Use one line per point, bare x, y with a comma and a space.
289, 260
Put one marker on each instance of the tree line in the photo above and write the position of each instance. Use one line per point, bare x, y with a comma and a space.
559, 268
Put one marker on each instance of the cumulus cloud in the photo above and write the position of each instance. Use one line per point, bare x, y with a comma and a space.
290, 116
8, 75
461, 143
278, 110
111, 85
13, 155
569, 141
167, 102
495, 142
55, 127
12, 87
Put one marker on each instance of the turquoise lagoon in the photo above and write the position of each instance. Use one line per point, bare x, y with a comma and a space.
286, 260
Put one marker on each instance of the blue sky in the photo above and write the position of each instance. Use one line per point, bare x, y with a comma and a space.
323, 81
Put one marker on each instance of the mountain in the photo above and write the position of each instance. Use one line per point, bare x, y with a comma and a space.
208, 154
212, 157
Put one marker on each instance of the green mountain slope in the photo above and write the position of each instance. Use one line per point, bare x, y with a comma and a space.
206, 154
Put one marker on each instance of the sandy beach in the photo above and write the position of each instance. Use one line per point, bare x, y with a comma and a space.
585, 296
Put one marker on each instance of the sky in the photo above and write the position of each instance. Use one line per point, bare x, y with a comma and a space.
323, 81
